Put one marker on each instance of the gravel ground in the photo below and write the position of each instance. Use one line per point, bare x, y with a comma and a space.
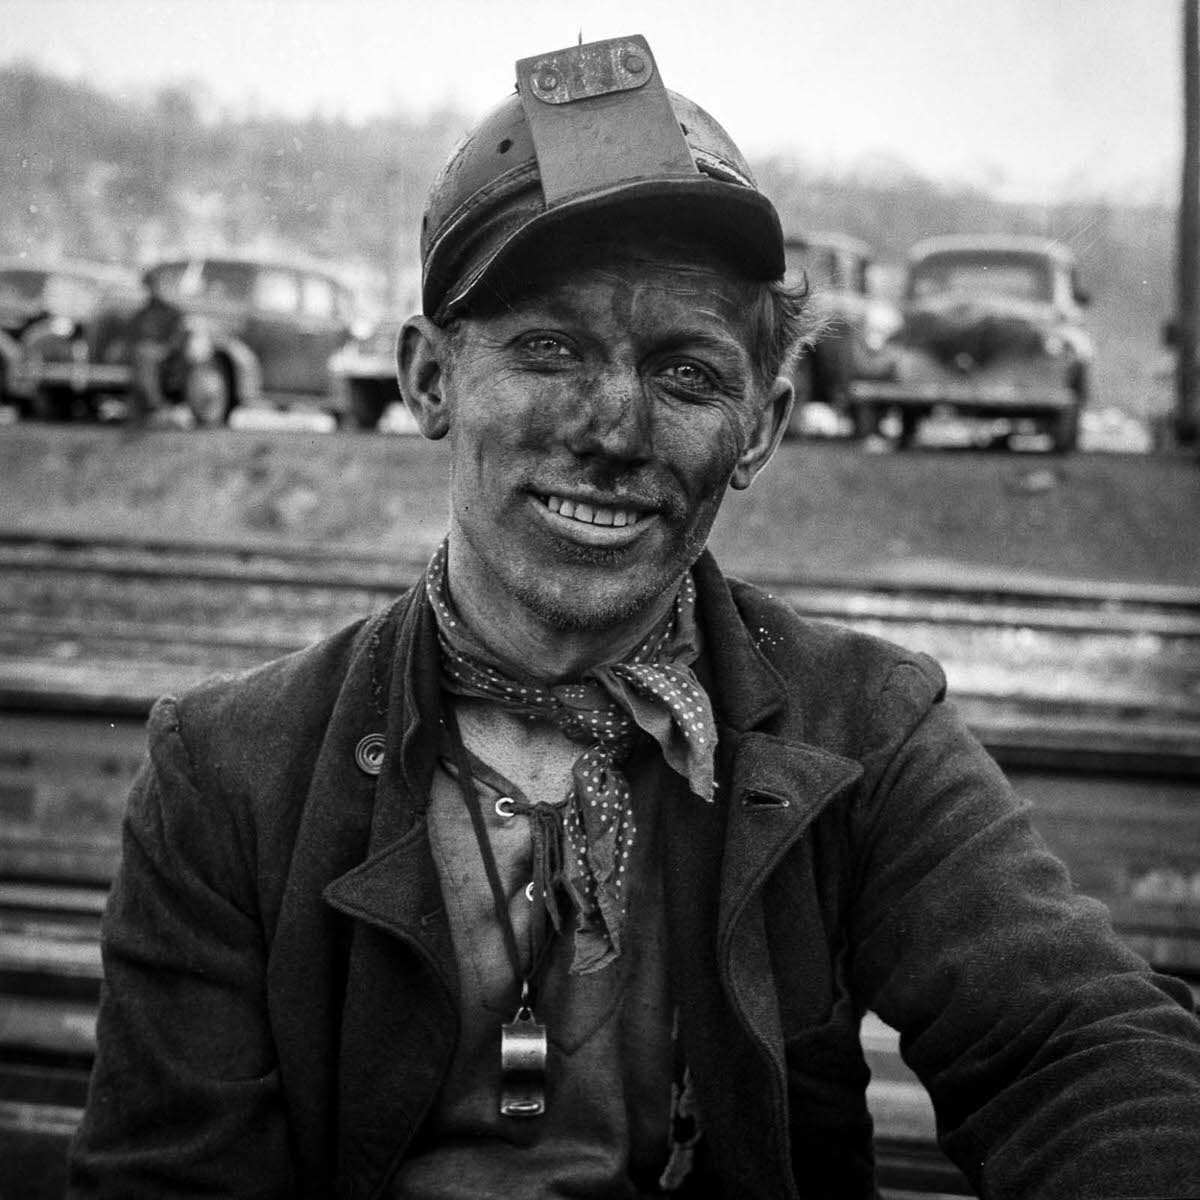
821, 510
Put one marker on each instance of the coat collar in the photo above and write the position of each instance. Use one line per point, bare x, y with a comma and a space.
760, 774
404, 669
745, 689
774, 786
770, 788
718, 860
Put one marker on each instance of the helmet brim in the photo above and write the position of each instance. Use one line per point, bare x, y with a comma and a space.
737, 223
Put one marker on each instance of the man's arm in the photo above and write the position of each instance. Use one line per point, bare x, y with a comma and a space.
1059, 1065
184, 1096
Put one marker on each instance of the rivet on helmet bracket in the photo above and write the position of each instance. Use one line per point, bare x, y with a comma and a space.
582, 72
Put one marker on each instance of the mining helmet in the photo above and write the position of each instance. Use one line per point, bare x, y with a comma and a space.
590, 128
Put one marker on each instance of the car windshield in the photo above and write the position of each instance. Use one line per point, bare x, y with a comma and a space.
167, 279
203, 280
227, 281
1021, 277
22, 285
54, 291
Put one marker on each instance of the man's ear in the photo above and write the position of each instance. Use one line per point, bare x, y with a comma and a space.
766, 435
421, 352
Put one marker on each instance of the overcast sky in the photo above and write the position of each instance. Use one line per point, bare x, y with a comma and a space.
1036, 97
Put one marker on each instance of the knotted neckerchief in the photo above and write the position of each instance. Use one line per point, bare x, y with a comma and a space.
655, 690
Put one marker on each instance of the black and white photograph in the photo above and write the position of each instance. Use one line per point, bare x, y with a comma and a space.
599, 600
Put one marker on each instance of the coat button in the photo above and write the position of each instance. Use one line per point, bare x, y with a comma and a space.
369, 753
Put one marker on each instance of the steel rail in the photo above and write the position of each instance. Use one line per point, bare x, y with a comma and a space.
38, 546
108, 626
1068, 604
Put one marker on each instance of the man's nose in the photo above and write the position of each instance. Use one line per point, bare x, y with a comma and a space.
614, 418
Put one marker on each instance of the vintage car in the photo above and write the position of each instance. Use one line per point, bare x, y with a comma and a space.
364, 370
853, 345
993, 328
44, 307
363, 378
214, 333
249, 333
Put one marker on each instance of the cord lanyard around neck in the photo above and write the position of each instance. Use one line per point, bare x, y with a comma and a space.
523, 1039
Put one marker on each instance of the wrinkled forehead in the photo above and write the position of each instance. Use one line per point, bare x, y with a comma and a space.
646, 267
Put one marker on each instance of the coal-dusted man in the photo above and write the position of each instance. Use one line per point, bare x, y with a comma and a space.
574, 872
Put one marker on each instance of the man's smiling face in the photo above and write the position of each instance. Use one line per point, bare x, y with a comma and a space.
595, 421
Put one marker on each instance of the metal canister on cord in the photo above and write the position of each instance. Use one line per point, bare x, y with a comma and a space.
523, 1065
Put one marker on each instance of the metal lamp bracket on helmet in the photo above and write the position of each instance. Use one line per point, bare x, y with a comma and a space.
600, 117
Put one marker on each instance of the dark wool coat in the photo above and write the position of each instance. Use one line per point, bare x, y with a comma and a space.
280, 998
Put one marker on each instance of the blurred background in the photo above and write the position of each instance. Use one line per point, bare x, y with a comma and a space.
138, 131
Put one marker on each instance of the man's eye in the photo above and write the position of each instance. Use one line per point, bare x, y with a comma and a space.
689, 376
544, 345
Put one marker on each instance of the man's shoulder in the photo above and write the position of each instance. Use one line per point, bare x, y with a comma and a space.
781, 632
839, 680
305, 678
279, 710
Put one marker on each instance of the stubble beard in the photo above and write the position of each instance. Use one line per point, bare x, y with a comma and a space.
605, 610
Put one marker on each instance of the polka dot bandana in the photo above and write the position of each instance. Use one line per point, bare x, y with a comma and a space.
654, 690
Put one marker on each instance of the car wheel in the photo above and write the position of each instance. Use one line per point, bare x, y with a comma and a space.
368, 403
207, 393
865, 420
18, 400
1064, 428
53, 404
910, 423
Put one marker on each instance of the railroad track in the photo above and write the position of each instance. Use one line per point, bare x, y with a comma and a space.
120, 622
1091, 701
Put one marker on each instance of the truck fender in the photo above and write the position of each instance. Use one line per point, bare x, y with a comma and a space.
59, 327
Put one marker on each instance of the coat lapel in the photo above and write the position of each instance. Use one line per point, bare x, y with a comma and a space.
399, 1021
718, 859
778, 790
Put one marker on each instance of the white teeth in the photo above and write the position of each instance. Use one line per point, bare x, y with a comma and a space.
591, 514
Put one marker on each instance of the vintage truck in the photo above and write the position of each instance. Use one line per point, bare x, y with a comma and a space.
853, 345
992, 327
